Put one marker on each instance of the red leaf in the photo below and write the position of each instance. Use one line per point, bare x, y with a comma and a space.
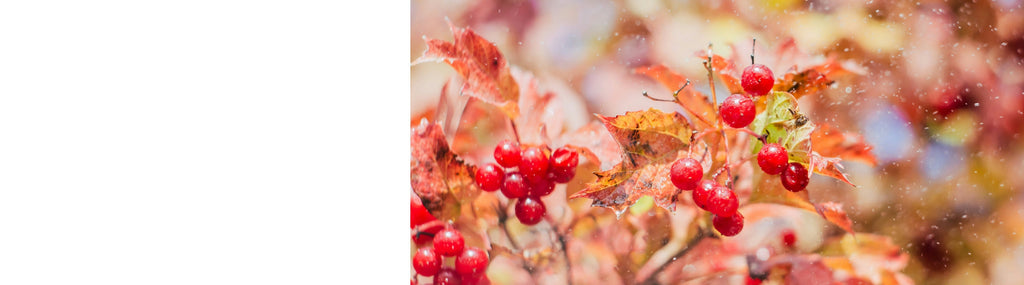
694, 102
833, 212
831, 142
439, 177
481, 64
538, 114
651, 140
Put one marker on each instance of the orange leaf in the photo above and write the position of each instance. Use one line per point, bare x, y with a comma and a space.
831, 142
481, 64
833, 212
812, 79
828, 166
725, 70
694, 102
439, 177
651, 140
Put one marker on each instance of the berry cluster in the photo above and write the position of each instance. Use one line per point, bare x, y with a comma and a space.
528, 174
773, 159
470, 262
721, 201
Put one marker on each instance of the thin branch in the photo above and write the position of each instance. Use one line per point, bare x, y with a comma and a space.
656, 99
709, 65
701, 235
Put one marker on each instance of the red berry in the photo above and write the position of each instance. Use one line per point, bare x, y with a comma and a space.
788, 238
702, 192
563, 164
489, 177
722, 202
420, 215
753, 281
514, 186
541, 188
757, 80
564, 157
471, 262
728, 226
507, 153
447, 276
795, 177
685, 173
772, 158
426, 261
534, 165
737, 111
530, 210
449, 242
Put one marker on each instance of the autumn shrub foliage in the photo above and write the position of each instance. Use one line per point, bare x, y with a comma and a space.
530, 199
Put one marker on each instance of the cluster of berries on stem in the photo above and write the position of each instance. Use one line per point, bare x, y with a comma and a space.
528, 174
470, 262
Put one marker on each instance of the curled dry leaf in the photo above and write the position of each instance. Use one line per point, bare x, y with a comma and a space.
834, 213
812, 79
651, 140
486, 73
439, 177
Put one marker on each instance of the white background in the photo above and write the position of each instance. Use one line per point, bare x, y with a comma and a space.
204, 142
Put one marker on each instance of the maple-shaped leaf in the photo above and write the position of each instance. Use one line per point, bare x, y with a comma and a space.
651, 140
831, 142
694, 102
479, 61
872, 257
439, 177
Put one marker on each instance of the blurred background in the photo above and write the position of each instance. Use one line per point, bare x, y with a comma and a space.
939, 95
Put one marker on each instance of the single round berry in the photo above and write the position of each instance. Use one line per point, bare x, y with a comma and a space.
530, 210
702, 192
564, 157
534, 164
728, 226
737, 111
788, 238
449, 242
447, 276
795, 177
563, 164
489, 177
420, 215
772, 158
722, 202
561, 175
426, 261
686, 173
757, 80
514, 186
471, 262
541, 188
507, 153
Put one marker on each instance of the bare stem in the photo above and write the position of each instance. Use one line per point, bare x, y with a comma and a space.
701, 235
656, 99
710, 66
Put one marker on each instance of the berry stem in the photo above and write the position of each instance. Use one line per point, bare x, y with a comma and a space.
700, 236
752, 51
709, 65
515, 130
